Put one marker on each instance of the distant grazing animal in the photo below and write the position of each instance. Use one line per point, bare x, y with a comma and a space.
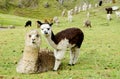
109, 10
46, 5
87, 23
89, 6
100, 3
72, 11
88, 14
50, 20
76, 10
56, 20
63, 13
96, 5
28, 23
70, 17
115, 8
79, 8
84, 7
35, 60
69, 38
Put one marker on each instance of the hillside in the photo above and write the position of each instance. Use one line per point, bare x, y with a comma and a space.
35, 9
12, 10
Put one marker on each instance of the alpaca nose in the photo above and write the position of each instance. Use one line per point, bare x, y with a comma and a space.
46, 32
33, 39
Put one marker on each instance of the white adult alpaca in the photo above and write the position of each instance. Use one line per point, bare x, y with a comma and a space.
70, 17
71, 37
35, 60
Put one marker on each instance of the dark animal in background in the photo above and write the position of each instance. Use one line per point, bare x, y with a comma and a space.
109, 10
28, 23
46, 5
100, 3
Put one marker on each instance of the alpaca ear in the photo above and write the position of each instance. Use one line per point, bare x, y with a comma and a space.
51, 24
40, 23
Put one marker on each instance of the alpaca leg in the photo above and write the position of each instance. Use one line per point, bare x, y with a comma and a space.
76, 55
57, 64
59, 54
71, 56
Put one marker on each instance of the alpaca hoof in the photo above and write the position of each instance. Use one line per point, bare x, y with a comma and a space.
54, 70
71, 64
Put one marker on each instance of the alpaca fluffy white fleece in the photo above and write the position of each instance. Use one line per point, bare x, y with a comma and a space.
34, 59
28, 62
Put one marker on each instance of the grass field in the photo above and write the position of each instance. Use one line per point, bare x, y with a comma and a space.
99, 58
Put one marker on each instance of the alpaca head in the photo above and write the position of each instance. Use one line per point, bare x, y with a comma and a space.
33, 38
45, 28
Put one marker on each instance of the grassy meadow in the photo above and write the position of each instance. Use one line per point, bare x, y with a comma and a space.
99, 54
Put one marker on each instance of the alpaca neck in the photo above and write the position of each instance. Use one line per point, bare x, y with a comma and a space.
30, 53
52, 41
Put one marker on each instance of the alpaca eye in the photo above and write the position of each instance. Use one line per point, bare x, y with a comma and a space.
48, 28
29, 36
41, 29
37, 35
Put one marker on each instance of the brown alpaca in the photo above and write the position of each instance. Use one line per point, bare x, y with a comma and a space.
35, 60
87, 23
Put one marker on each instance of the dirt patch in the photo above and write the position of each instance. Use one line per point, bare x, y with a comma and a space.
6, 27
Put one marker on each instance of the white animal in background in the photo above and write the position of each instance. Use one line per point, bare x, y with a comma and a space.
70, 17
114, 8
109, 17
69, 38
63, 13
108, 1
56, 20
84, 7
96, 5
76, 10
117, 14
89, 6
72, 11
88, 14
79, 8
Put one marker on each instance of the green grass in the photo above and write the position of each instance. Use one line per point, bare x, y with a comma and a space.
6, 19
99, 58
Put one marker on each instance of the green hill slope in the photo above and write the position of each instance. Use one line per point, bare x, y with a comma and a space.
54, 9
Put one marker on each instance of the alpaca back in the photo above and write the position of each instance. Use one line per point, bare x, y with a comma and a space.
46, 60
